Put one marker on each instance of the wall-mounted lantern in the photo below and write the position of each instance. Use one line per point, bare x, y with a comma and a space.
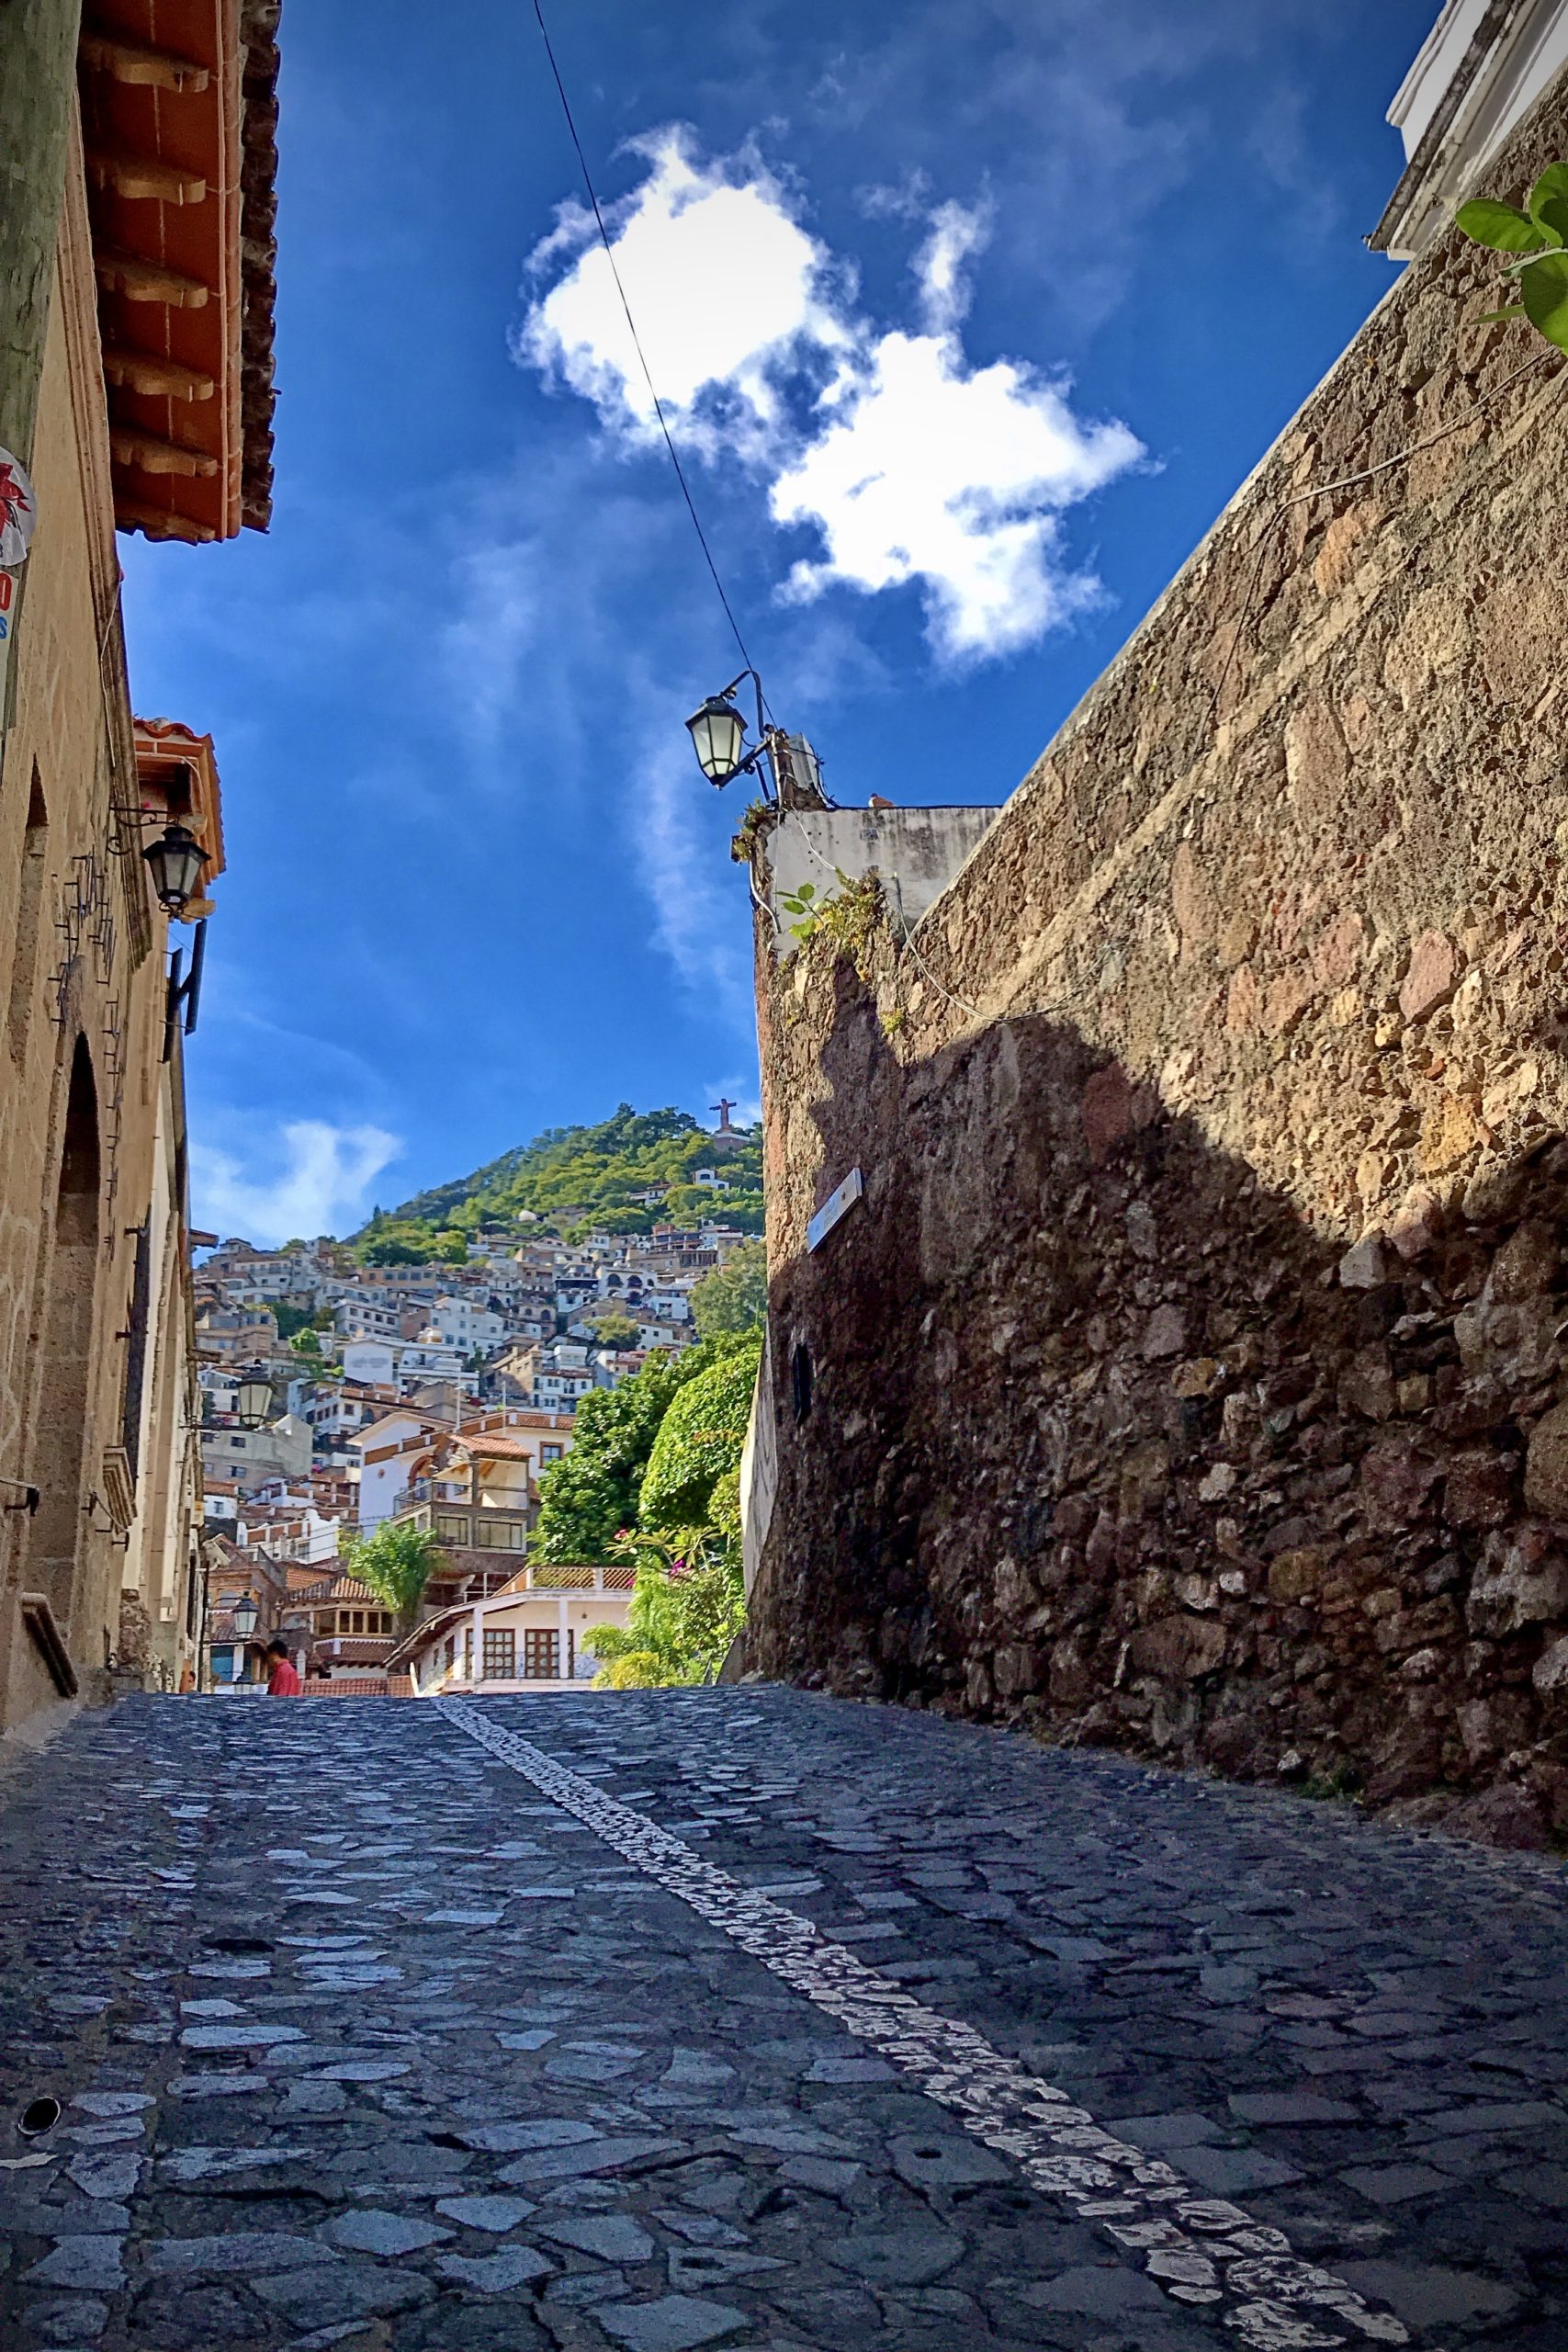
174, 861
253, 1398
789, 769
246, 1615
719, 735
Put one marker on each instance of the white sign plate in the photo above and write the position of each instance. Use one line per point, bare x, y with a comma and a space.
837, 1206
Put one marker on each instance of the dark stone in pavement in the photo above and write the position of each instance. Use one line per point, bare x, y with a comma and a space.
363, 2041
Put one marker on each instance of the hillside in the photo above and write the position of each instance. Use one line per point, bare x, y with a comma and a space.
575, 1178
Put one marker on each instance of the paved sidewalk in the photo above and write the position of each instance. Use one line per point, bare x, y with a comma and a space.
507, 2026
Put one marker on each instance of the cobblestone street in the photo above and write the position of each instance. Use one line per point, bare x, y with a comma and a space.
747, 2018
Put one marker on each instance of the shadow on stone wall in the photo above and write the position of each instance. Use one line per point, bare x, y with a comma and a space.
1100, 1437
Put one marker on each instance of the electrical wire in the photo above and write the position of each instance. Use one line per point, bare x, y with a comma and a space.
636, 340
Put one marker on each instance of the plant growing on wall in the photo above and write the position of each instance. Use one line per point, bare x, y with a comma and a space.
847, 915
1537, 237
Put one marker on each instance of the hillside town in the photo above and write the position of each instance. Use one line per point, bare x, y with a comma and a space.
993, 1768
338, 1396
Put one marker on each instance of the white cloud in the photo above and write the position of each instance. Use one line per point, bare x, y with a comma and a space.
912, 467
957, 232
725, 285
322, 1186
952, 477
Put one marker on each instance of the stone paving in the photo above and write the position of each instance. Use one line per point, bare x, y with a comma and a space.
744, 2017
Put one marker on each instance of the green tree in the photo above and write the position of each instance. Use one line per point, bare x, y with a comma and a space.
572, 1178
395, 1246
397, 1562
305, 1344
734, 1298
591, 1493
700, 1439
614, 1330
289, 1318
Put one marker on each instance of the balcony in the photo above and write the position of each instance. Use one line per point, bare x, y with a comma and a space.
471, 1526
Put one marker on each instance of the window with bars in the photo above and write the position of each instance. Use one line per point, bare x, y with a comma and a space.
499, 1654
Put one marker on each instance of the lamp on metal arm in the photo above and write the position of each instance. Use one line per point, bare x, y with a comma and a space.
788, 768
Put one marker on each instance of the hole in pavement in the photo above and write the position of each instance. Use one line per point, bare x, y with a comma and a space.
39, 2116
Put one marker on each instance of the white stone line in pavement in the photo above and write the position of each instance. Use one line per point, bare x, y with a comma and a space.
1201, 2250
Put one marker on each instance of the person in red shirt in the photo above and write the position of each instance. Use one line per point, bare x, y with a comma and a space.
282, 1682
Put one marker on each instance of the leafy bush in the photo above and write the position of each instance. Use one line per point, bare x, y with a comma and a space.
591, 1493
700, 1439
687, 1606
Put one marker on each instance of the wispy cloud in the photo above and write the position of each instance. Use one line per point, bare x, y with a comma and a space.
911, 465
319, 1183
699, 914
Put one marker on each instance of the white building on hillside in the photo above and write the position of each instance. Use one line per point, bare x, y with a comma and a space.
466, 1323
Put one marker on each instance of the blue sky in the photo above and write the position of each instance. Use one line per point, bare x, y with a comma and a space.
971, 317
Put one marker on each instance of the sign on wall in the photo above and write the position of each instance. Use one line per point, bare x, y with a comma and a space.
19, 511
837, 1205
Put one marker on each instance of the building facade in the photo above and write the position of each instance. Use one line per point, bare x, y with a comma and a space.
135, 367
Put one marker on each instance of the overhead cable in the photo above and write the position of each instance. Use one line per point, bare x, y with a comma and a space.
636, 340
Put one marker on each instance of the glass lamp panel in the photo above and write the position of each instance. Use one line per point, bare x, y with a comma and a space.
717, 732
176, 861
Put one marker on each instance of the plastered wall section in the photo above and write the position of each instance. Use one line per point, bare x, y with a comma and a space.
1191, 1376
69, 738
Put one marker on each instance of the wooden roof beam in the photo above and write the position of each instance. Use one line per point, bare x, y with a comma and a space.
151, 456
146, 281
136, 61
137, 176
141, 371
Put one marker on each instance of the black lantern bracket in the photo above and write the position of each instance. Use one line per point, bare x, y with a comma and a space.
786, 766
183, 996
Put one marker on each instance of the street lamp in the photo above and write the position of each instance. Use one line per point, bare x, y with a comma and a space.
717, 732
174, 861
253, 1398
246, 1615
788, 767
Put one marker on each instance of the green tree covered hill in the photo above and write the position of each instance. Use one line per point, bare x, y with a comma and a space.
575, 1179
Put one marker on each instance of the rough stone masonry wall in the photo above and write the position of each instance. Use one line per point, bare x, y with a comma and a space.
1193, 1375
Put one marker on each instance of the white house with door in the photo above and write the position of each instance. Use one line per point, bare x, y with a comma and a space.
526, 1637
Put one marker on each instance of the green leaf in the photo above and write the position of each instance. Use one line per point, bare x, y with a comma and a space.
1549, 202
1503, 228
1489, 318
807, 890
1543, 290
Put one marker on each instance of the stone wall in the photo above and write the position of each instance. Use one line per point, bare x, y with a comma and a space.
1193, 1375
